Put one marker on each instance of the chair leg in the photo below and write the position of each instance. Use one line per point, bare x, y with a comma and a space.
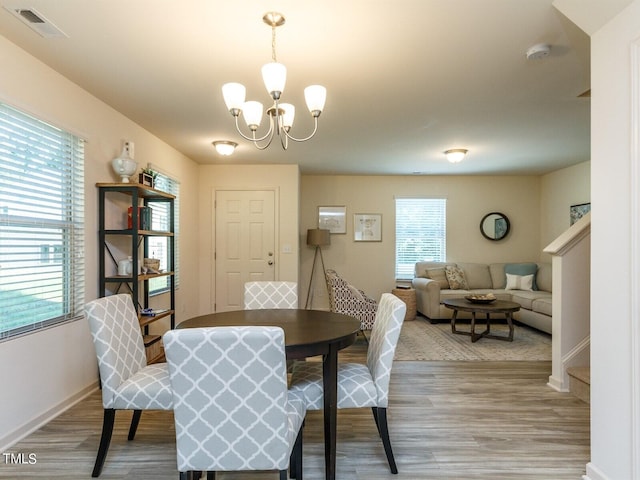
107, 429
365, 336
211, 475
185, 475
381, 416
295, 461
135, 420
283, 475
374, 410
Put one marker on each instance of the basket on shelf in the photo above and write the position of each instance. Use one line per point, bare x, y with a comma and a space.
152, 263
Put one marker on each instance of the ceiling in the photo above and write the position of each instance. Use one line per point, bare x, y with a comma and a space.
406, 80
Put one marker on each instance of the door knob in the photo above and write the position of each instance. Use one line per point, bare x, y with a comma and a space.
270, 262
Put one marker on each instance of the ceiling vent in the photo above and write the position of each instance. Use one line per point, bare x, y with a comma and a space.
37, 22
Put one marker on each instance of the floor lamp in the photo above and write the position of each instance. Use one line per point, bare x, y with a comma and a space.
316, 237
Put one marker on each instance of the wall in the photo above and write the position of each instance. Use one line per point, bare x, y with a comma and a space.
615, 247
558, 191
285, 179
370, 265
60, 361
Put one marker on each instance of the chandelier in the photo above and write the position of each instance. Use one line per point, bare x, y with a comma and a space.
280, 115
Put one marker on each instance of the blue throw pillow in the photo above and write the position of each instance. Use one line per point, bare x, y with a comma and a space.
523, 269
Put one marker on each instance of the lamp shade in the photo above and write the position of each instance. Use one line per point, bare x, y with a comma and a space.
252, 114
315, 96
318, 236
234, 95
289, 114
274, 76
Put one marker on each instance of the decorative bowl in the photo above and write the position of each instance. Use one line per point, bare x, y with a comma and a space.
480, 298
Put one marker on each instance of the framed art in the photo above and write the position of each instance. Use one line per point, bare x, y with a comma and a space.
333, 219
576, 212
367, 227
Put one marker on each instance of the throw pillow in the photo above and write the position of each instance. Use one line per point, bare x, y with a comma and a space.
519, 282
439, 276
523, 269
455, 277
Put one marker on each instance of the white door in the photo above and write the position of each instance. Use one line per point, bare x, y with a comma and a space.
244, 243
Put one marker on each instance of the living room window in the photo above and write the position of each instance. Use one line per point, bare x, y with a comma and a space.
421, 233
159, 246
41, 224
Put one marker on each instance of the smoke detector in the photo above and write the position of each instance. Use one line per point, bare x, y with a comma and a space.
540, 50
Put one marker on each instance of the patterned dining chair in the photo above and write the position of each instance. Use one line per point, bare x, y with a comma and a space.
128, 383
347, 299
233, 410
265, 294
361, 385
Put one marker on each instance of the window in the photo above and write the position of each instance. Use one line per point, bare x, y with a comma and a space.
421, 233
41, 224
159, 246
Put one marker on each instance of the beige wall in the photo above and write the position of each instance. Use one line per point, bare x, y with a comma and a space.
285, 180
370, 265
559, 190
61, 360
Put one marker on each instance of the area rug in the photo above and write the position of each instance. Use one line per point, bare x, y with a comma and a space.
420, 340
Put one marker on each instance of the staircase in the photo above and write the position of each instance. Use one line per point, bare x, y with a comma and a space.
580, 382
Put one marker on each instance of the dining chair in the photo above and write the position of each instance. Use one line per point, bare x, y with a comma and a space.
128, 383
361, 385
268, 294
232, 408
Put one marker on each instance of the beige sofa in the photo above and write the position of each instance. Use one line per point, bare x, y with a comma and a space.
483, 278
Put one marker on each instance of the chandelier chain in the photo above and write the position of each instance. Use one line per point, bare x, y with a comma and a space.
273, 43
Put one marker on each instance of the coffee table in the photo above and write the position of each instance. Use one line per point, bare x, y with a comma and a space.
499, 306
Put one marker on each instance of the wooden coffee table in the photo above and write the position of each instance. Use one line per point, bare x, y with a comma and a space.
499, 306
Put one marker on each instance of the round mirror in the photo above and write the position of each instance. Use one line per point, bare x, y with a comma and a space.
494, 226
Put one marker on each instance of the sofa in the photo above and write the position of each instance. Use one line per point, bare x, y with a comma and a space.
528, 284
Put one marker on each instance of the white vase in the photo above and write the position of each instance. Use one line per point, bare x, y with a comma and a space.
124, 165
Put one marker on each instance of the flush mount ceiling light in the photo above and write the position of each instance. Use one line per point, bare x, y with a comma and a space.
281, 115
224, 147
455, 155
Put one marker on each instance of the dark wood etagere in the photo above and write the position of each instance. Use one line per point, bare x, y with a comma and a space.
135, 195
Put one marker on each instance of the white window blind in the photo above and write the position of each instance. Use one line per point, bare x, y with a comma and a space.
41, 224
159, 246
421, 226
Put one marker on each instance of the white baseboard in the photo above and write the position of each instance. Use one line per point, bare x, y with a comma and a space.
556, 384
34, 424
593, 473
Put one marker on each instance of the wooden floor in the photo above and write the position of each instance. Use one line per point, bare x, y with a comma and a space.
448, 420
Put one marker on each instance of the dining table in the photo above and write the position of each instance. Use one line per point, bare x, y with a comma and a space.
308, 333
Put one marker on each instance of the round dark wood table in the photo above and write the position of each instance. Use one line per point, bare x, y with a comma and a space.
307, 333
499, 306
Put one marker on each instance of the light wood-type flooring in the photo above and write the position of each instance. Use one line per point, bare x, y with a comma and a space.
448, 420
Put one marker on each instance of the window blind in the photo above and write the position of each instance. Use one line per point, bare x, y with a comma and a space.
421, 228
41, 224
159, 246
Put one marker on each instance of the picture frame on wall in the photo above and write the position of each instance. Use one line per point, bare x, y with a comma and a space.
367, 227
333, 218
576, 212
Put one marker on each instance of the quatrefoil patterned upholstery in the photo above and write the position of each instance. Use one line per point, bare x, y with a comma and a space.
259, 295
347, 299
359, 385
232, 407
128, 383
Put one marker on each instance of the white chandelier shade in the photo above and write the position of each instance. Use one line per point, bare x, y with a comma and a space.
281, 115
